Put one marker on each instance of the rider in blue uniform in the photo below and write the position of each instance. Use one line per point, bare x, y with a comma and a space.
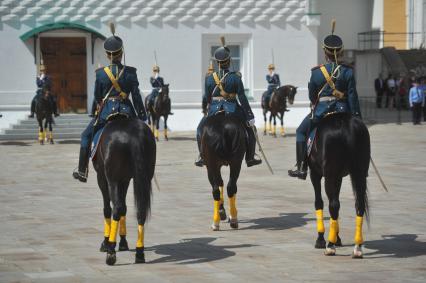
273, 80
157, 83
43, 81
222, 89
112, 88
332, 89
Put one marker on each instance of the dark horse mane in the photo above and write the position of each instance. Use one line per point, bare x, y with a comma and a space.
342, 148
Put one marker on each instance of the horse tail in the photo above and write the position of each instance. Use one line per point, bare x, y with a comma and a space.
144, 171
231, 139
359, 142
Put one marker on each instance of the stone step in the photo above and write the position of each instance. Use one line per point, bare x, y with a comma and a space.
56, 126
34, 136
35, 130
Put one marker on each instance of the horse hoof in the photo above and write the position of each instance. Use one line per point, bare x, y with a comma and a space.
222, 213
104, 246
330, 250
320, 244
357, 252
233, 223
111, 258
215, 227
123, 246
140, 255
338, 242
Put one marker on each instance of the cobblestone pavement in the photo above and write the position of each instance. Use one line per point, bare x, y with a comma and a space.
52, 226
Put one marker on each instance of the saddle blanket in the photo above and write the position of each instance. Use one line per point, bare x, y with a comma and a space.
95, 143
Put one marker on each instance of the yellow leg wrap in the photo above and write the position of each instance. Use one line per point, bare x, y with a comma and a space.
44, 135
216, 216
113, 234
107, 227
274, 129
221, 195
358, 230
282, 131
140, 241
51, 135
320, 221
156, 133
332, 236
165, 133
233, 207
270, 127
40, 136
122, 230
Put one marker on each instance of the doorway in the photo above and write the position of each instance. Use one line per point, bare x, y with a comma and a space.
65, 61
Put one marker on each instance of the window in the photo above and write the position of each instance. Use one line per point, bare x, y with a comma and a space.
235, 57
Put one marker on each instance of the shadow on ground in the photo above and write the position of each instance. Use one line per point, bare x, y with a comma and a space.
16, 143
195, 250
182, 139
282, 222
397, 246
69, 142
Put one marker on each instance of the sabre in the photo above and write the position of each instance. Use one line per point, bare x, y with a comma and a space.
155, 58
261, 149
156, 182
378, 175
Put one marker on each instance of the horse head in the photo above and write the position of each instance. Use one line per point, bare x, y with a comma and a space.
164, 94
291, 93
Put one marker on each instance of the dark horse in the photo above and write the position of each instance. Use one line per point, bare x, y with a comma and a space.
161, 107
277, 106
44, 111
342, 148
223, 143
126, 151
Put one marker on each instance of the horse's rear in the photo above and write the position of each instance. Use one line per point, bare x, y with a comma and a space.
342, 148
127, 150
223, 142
44, 112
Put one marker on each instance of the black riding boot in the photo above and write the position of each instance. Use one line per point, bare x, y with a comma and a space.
33, 104
251, 149
83, 162
199, 162
301, 170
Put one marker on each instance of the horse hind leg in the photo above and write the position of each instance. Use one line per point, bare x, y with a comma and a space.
122, 231
222, 210
213, 173
319, 206
274, 129
332, 188
165, 128
359, 184
103, 186
157, 128
232, 194
270, 124
265, 129
282, 131
41, 134
51, 133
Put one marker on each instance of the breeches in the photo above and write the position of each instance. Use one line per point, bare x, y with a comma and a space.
303, 130
87, 135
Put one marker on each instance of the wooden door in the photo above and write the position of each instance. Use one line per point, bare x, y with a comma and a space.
65, 60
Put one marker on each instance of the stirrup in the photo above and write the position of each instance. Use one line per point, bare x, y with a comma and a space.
82, 177
199, 162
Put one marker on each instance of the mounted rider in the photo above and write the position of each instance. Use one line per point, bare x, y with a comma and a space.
43, 81
274, 82
224, 92
113, 85
332, 90
157, 83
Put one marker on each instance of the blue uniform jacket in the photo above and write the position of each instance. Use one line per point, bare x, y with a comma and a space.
129, 84
345, 82
273, 82
45, 82
232, 84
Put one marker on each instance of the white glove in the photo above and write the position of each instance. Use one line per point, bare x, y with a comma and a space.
252, 122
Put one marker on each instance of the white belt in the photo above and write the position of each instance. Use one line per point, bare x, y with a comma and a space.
327, 98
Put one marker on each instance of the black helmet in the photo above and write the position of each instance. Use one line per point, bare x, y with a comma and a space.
332, 43
113, 45
222, 53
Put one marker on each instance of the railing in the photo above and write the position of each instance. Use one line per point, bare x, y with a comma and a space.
397, 112
377, 39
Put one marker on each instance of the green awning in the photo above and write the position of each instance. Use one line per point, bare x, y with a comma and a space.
56, 26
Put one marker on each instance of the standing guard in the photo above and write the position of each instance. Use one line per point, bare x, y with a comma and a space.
273, 80
332, 89
43, 81
222, 89
113, 85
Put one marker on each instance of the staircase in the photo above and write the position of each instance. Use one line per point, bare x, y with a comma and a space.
67, 126
395, 63
414, 60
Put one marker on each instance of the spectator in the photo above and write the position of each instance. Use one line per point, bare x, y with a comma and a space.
379, 88
391, 90
423, 87
402, 93
417, 101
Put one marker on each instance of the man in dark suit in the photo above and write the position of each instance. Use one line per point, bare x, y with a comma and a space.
379, 87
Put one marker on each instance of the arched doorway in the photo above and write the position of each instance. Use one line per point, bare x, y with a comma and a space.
66, 50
